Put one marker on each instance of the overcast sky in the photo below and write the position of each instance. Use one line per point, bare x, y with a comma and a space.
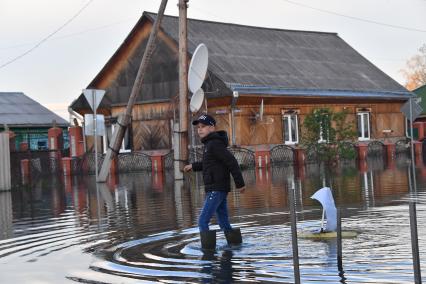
53, 67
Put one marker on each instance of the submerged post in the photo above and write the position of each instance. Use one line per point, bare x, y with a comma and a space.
339, 242
294, 244
5, 177
412, 208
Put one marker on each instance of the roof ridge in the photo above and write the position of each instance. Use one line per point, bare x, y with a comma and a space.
150, 14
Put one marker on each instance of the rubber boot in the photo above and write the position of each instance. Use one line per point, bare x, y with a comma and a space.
208, 240
233, 237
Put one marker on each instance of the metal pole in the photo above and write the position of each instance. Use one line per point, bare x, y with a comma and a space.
339, 241
294, 235
95, 124
194, 149
183, 84
412, 208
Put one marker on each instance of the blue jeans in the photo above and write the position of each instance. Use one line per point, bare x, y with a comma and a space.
215, 203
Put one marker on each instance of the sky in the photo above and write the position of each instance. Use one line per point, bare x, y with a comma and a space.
52, 49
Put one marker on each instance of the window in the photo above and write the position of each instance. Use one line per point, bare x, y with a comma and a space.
125, 144
363, 126
290, 125
324, 136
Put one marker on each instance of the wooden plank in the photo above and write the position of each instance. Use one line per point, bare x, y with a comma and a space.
151, 135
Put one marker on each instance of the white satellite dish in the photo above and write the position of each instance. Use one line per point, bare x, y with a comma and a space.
196, 100
198, 68
261, 111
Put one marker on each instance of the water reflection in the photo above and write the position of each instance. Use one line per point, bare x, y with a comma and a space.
143, 227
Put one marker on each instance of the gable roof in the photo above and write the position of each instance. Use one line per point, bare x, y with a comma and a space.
254, 57
253, 60
18, 110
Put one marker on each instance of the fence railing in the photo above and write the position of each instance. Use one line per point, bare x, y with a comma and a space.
46, 162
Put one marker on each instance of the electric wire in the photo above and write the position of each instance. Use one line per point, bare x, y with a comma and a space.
48, 36
355, 18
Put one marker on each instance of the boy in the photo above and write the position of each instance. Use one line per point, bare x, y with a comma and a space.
216, 165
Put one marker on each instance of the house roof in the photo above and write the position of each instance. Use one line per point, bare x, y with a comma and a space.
247, 56
254, 59
19, 110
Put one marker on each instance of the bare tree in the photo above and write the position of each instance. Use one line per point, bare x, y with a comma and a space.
415, 70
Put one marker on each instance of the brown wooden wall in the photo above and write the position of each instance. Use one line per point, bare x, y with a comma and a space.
151, 123
250, 130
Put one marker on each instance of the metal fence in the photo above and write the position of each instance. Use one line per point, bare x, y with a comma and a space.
134, 162
245, 157
282, 155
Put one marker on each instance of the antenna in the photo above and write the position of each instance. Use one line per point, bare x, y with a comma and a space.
198, 68
196, 100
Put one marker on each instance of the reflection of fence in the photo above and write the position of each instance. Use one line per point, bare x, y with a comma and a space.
42, 163
282, 174
282, 155
376, 163
402, 146
375, 149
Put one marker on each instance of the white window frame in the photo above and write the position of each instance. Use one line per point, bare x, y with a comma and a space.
290, 117
321, 139
362, 114
126, 136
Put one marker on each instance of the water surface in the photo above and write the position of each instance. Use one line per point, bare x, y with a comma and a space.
140, 228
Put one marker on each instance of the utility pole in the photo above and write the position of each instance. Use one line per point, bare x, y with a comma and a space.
124, 119
183, 86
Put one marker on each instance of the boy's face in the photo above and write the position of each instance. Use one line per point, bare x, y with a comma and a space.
204, 130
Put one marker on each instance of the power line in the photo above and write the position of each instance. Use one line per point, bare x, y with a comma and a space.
48, 36
73, 34
355, 18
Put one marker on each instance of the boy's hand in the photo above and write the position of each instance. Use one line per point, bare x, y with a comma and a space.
187, 168
242, 189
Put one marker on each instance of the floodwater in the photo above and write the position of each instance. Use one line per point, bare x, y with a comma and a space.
140, 228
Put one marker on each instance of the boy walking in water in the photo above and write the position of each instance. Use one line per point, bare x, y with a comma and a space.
217, 164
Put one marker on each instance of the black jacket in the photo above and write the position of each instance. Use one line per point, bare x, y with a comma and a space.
217, 163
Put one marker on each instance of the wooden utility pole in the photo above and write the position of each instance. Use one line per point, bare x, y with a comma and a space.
124, 119
183, 84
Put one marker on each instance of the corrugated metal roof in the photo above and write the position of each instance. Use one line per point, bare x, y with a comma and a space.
256, 56
18, 110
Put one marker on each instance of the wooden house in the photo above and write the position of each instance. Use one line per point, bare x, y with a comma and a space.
292, 72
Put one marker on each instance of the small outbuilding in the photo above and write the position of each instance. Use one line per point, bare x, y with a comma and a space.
28, 120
